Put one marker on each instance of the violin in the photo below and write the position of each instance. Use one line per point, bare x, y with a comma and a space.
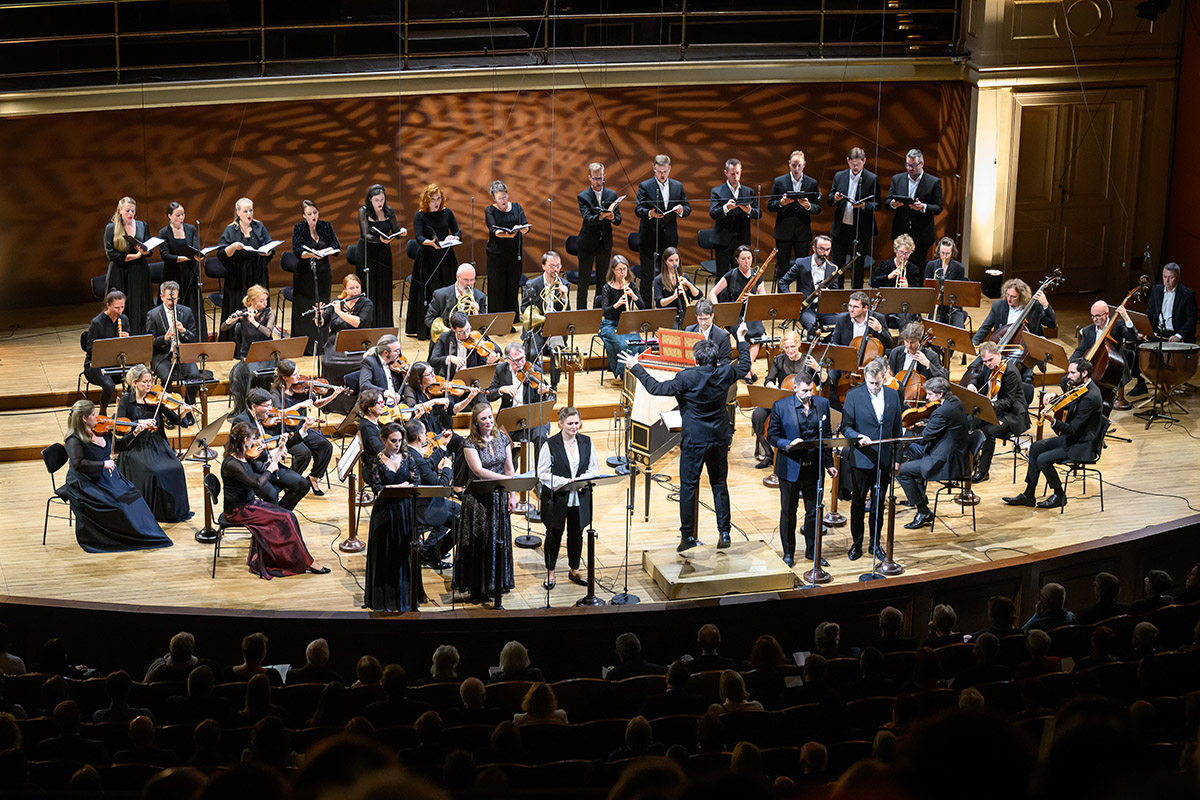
120, 425
398, 413
400, 365
435, 443
486, 349
304, 385
157, 396
996, 380
270, 443
1057, 408
528, 372
290, 419
912, 416
441, 387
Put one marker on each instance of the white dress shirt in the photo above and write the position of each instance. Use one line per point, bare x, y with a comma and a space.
548, 479
851, 197
1167, 315
877, 404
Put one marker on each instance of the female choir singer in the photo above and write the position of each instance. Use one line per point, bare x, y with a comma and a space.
375, 216
110, 514
563, 458
393, 526
128, 267
243, 268
147, 460
435, 265
483, 524
672, 289
617, 295
503, 249
354, 311
181, 257
276, 547
313, 278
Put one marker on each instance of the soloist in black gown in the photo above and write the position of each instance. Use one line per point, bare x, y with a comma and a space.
149, 463
110, 514
389, 554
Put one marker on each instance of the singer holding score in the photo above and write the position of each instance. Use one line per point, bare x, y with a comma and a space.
313, 239
239, 253
795, 420
128, 267
564, 457
377, 226
181, 257
617, 295
434, 268
506, 223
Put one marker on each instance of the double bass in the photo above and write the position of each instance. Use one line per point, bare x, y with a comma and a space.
1108, 362
869, 348
1010, 338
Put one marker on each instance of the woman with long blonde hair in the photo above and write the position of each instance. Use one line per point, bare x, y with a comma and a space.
255, 322
238, 253
128, 265
435, 265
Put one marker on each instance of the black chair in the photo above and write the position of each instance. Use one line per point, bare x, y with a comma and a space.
213, 268
354, 256
287, 294
100, 286
963, 486
704, 238
1082, 468
55, 457
571, 276
212, 485
634, 240
412, 249
156, 273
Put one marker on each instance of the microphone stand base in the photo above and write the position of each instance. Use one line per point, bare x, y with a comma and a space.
889, 567
870, 576
352, 546
835, 519
618, 464
625, 599
816, 575
590, 600
528, 541
206, 535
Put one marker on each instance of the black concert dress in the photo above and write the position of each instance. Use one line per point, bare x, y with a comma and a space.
433, 268
130, 277
276, 547
184, 272
245, 269
110, 514
149, 463
389, 553
376, 256
307, 289
483, 528
362, 308
503, 258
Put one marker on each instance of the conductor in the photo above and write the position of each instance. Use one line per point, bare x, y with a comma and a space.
702, 392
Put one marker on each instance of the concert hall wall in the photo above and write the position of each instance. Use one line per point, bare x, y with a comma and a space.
66, 171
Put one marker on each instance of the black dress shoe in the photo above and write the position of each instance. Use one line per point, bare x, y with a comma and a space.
723, 542
789, 559
808, 556
1020, 500
686, 544
317, 491
1139, 389
980, 477
437, 565
878, 552
921, 520
764, 463
855, 552
1056, 500
577, 579
321, 571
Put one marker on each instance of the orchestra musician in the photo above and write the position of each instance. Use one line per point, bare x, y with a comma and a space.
809, 273
306, 444
434, 266
701, 392
280, 479
484, 521
437, 514
945, 266
564, 457
661, 203
672, 288
538, 299
1076, 439
380, 368
731, 207
795, 420
243, 268
167, 339
375, 216
901, 271
511, 390
856, 321
254, 323
730, 287
450, 353
181, 257
1017, 295
147, 460
277, 548
393, 526
371, 405
437, 413
354, 311
1012, 409
596, 231
1172, 307
313, 278
616, 295
871, 414
503, 249
910, 354
788, 363
1123, 333
110, 514
718, 336
793, 217
105, 325
854, 197
128, 267
915, 198
459, 296
941, 455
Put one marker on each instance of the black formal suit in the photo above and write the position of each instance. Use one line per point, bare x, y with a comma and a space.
293, 485
157, 325
843, 334
529, 395
941, 454
595, 240
447, 345
1183, 312
917, 224
374, 374
862, 226
1011, 407
1037, 321
721, 338
955, 271
656, 235
443, 303
732, 229
871, 462
793, 222
800, 273
799, 470
897, 357
702, 396
535, 342
1126, 339
438, 513
1076, 441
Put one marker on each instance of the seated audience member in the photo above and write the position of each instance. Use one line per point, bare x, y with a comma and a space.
873, 682
85, 780
639, 741
827, 641
926, 672
1157, 583
815, 689
1050, 611
444, 668
1103, 642
69, 744
906, 710
746, 763
175, 783
316, 665
514, 665
734, 698
54, 661
360, 727
1037, 643
891, 620
987, 667
52, 692
710, 734
200, 702
676, 699
1002, 618
506, 747
333, 706
367, 672
540, 707
206, 738
814, 761
708, 640
177, 664
473, 694
631, 661
143, 749
764, 669
458, 772
1190, 593
118, 685
395, 708
269, 745
1144, 640
941, 627
254, 652
971, 699
1106, 587
428, 752
258, 702
11, 664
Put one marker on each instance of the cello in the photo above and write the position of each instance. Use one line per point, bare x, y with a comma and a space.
911, 382
1108, 362
869, 348
1010, 337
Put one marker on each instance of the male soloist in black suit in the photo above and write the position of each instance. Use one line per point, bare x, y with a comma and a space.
731, 207
158, 325
661, 202
793, 420
793, 217
871, 413
854, 198
940, 455
701, 392
596, 232
1172, 308
1076, 440
1009, 402
915, 197
809, 273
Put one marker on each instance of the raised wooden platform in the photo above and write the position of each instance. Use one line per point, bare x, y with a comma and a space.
742, 568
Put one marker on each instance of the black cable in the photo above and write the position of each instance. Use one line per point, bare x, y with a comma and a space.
1154, 494
332, 548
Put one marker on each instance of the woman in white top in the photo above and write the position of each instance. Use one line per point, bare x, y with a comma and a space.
564, 457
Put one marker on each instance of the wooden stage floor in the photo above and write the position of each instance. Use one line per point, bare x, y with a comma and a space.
1146, 481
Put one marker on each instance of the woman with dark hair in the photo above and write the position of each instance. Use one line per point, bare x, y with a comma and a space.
147, 460
306, 444
393, 526
128, 267
181, 257
371, 405
354, 311
376, 217
313, 278
504, 220
437, 412
110, 514
276, 547
239, 252
435, 265
672, 289
483, 524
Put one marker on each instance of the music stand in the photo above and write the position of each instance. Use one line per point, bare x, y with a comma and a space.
519, 418
1043, 351
199, 451
763, 307
834, 301
201, 353
585, 483
277, 349
477, 376
765, 397
567, 324
842, 358
1141, 322
354, 341
345, 471
958, 293
515, 483
726, 315
976, 405
906, 301
501, 321
414, 493
122, 352
949, 337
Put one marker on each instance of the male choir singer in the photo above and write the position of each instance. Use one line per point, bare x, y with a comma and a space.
731, 206
915, 198
661, 203
854, 197
794, 206
596, 232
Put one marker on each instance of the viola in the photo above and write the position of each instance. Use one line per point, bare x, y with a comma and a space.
398, 413
995, 381
486, 349
304, 385
400, 365
1057, 408
441, 387
120, 425
919, 413
270, 443
528, 372
435, 443
291, 419
157, 396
